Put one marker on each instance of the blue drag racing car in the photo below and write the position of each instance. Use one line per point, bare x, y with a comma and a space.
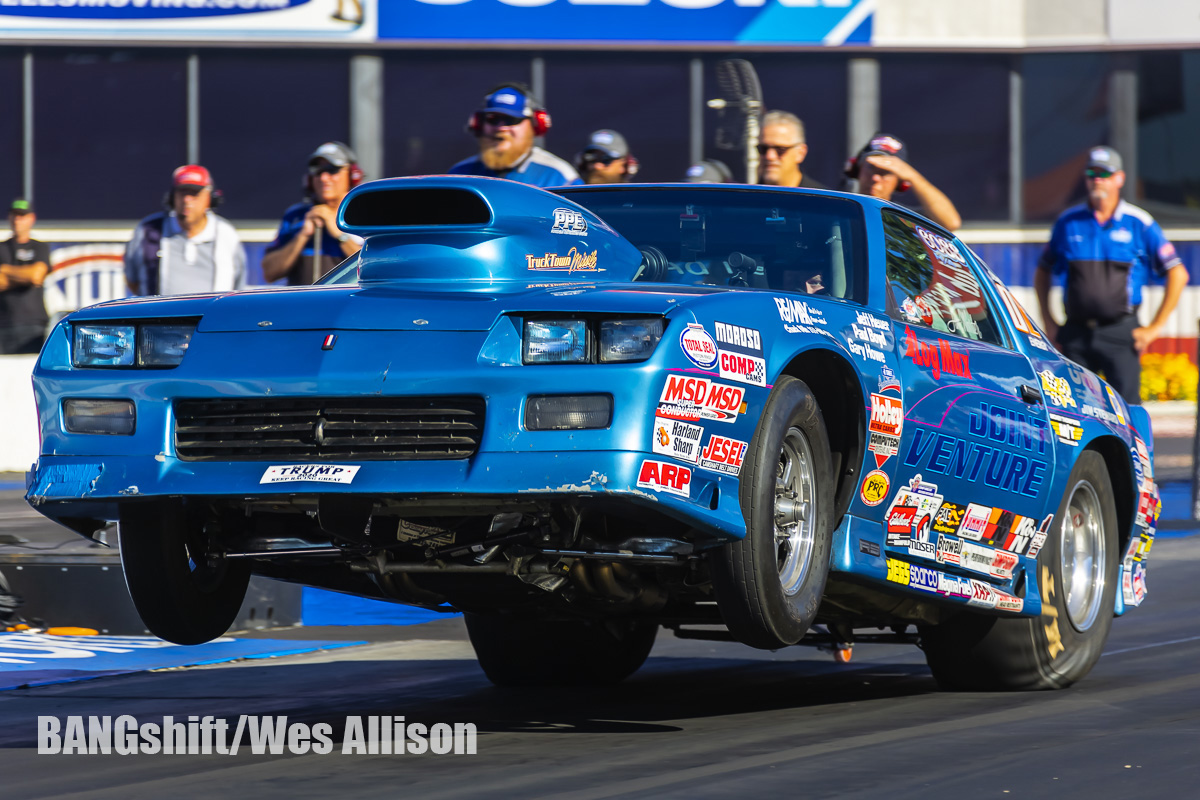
771, 415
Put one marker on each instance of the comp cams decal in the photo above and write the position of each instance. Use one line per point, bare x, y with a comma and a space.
691, 399
319, 473
740, 354
663, 477
677, 439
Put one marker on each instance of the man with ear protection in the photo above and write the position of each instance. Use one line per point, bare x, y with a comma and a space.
186, 248
332, 172
606, 159
505, 125
882, 169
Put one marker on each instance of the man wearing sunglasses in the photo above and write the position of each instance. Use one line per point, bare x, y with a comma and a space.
782, 150
332, 172
1104, 251
505, 126
606, 159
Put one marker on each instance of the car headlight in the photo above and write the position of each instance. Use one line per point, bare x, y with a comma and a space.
562, 341
103, 346
629, 339
163, 345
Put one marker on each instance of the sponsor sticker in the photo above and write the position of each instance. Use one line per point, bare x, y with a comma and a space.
740, 354
692, 399
1118, 405
874, 487
900, 525
922, 578
1006, 602
1066, 429
975, 522
953, 586
949, 551
986, 560
663, 477
318, 473
574, 261
897, 571
1057, 390
569, 221
982, 595
948, 518
677, 439
912, 512
723, 455
698, 346
888, 380
922, 549
937, 358
887, 421
797, 313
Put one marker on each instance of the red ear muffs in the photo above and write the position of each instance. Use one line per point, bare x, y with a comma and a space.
541, 121
904, 186
356, 174
475, 123
631, 166
851, 168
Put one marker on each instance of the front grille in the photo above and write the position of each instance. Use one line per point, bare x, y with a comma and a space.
361, 429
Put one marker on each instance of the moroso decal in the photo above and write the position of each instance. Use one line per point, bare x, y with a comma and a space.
663, 477
874, 487
677, 439
740, 354
698, 346
692, 399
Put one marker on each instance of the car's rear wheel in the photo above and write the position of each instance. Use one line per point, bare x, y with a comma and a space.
180, 594
528, 651
1077, 576
768, 585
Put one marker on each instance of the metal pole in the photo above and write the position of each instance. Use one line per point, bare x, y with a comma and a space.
193, 108
1123, 120
696, 108
863, 102
537, 82
366, 113
1016, 143
27, 124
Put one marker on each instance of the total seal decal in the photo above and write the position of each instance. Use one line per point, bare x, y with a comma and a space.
663, 477
740, 354
887, 421
868, 336
911, 513
569, 221
677, 439
698, 346
800, 317
723, 455
874, 487
691, 399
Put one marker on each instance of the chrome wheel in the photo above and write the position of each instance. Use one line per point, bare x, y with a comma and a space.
1083, 556
795, 518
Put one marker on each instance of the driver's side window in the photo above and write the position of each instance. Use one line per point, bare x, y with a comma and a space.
931, 284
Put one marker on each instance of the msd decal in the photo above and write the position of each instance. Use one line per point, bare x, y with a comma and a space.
698, 346
663, 477
693, 399
677, 439
937, 358
723, 455
887, 420
740, 354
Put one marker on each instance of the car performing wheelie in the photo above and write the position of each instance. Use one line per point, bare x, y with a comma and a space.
579, 417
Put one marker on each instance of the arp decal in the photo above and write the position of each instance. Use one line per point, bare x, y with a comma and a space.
740, 354
799, 316
911, 513
677, 439
573, 261
1066, 429
663, 477
698, 346
723, 455
937, 358
887, 421
1057, 390
874, 487
569, 221
692, 399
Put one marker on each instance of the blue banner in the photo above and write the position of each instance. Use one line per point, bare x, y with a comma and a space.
139, 9
758, 22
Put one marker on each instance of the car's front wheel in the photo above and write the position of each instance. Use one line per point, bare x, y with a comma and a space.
528, 651
181, 595
1077, 572
768, 585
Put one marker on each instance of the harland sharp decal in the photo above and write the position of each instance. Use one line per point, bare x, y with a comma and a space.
677, 439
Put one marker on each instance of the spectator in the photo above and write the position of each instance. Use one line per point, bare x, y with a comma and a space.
1105, 250
710, 170
606, 159
782, 150
24, 264
332, 172
882, 170
186, 248
505, 126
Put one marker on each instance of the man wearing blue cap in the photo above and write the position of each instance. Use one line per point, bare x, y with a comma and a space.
506, 124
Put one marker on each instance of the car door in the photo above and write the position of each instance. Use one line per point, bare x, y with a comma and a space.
976, 451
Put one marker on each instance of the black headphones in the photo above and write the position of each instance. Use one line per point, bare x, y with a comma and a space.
215, 198
540, 117
632, 165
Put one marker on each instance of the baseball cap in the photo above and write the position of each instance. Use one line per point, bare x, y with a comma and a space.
609, 142
1104, 158
708, 171
508, 100
335, 153
20, 206
191, 175
883, 144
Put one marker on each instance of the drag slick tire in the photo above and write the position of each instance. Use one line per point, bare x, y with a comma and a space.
528, 651
1077, 577
179, 599
768, 585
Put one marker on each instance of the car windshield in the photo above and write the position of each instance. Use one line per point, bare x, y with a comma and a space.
747, 238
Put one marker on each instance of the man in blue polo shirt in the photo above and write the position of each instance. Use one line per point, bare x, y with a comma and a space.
1104, 250
505, 125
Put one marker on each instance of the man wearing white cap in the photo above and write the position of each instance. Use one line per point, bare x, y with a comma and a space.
1104, 251
186, 248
